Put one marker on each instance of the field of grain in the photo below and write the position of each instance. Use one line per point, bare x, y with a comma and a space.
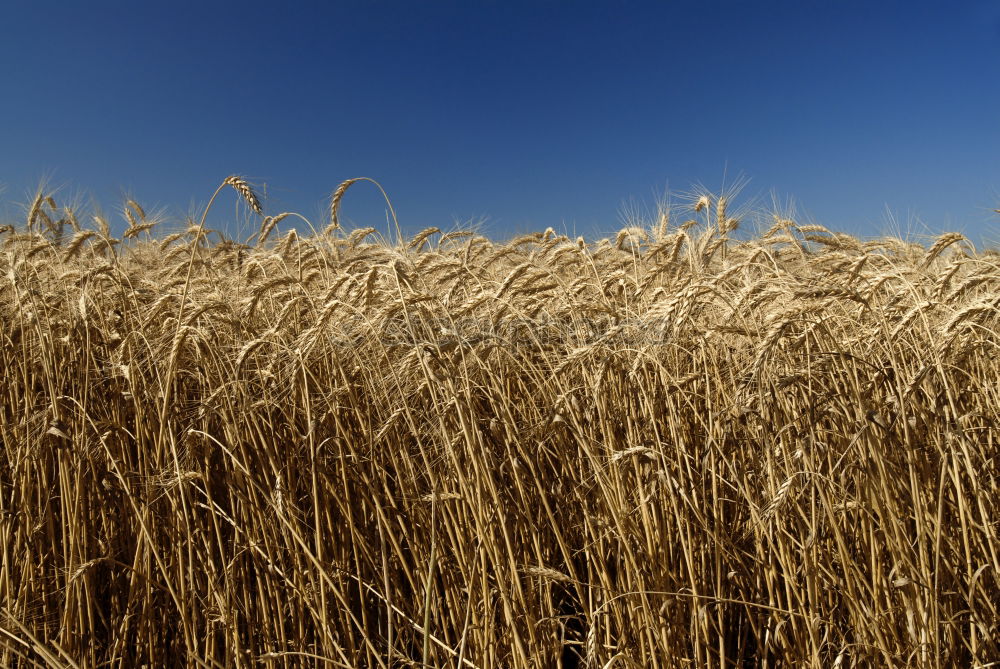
676, 447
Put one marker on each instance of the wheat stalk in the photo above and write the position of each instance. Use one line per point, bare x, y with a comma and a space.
364, 451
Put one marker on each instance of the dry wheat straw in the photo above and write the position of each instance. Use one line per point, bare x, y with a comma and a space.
656, 449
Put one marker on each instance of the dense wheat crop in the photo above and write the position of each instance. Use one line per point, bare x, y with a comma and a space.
670, 448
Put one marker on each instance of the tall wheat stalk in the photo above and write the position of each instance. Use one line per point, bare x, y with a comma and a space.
351, 451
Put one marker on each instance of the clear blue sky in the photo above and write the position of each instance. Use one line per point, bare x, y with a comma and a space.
532, 114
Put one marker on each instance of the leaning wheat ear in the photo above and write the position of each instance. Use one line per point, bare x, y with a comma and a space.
244, 189
268, 224
36, 209
338, 195
943, 242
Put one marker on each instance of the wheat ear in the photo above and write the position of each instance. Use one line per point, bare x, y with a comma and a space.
943, 242
338, 196
243, 188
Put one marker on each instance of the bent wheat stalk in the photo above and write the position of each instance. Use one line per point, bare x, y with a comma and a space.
338, 196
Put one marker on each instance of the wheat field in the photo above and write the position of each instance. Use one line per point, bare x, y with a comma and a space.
688, 445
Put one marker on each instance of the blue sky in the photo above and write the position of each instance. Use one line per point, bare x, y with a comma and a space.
528, 114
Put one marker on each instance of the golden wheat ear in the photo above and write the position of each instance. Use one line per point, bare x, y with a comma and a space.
243, 188
338, 196
335, 200
268, 224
